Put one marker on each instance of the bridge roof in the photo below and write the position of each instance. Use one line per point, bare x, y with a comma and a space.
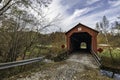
80, 26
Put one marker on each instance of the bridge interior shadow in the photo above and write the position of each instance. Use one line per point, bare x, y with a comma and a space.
80, 42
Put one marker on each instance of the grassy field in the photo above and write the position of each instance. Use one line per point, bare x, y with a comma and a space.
49, 52
114, 52
112, 59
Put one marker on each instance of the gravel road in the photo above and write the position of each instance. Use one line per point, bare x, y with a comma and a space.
77, 67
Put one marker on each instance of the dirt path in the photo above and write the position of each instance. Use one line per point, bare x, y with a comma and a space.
77, 67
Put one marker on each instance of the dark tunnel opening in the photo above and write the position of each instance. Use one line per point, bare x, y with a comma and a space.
80, 42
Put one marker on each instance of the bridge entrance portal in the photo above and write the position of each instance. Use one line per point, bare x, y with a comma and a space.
80, 42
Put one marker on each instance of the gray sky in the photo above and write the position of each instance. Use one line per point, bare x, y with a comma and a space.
87, 12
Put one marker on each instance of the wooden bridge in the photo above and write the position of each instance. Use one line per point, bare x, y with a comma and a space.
80, 34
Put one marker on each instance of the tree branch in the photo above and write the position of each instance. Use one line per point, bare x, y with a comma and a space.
1, 12
5, 5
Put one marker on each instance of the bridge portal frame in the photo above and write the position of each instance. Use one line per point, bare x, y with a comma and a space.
82, 28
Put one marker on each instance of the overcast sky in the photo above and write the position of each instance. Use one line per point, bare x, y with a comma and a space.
87, 12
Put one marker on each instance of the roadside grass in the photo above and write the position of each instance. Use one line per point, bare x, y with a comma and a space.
49, 52
111, 60
115, 53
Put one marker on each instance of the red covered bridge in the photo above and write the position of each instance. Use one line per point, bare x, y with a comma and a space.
80, 34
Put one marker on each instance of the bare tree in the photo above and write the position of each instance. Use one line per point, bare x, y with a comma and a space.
20, 34
105, 27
